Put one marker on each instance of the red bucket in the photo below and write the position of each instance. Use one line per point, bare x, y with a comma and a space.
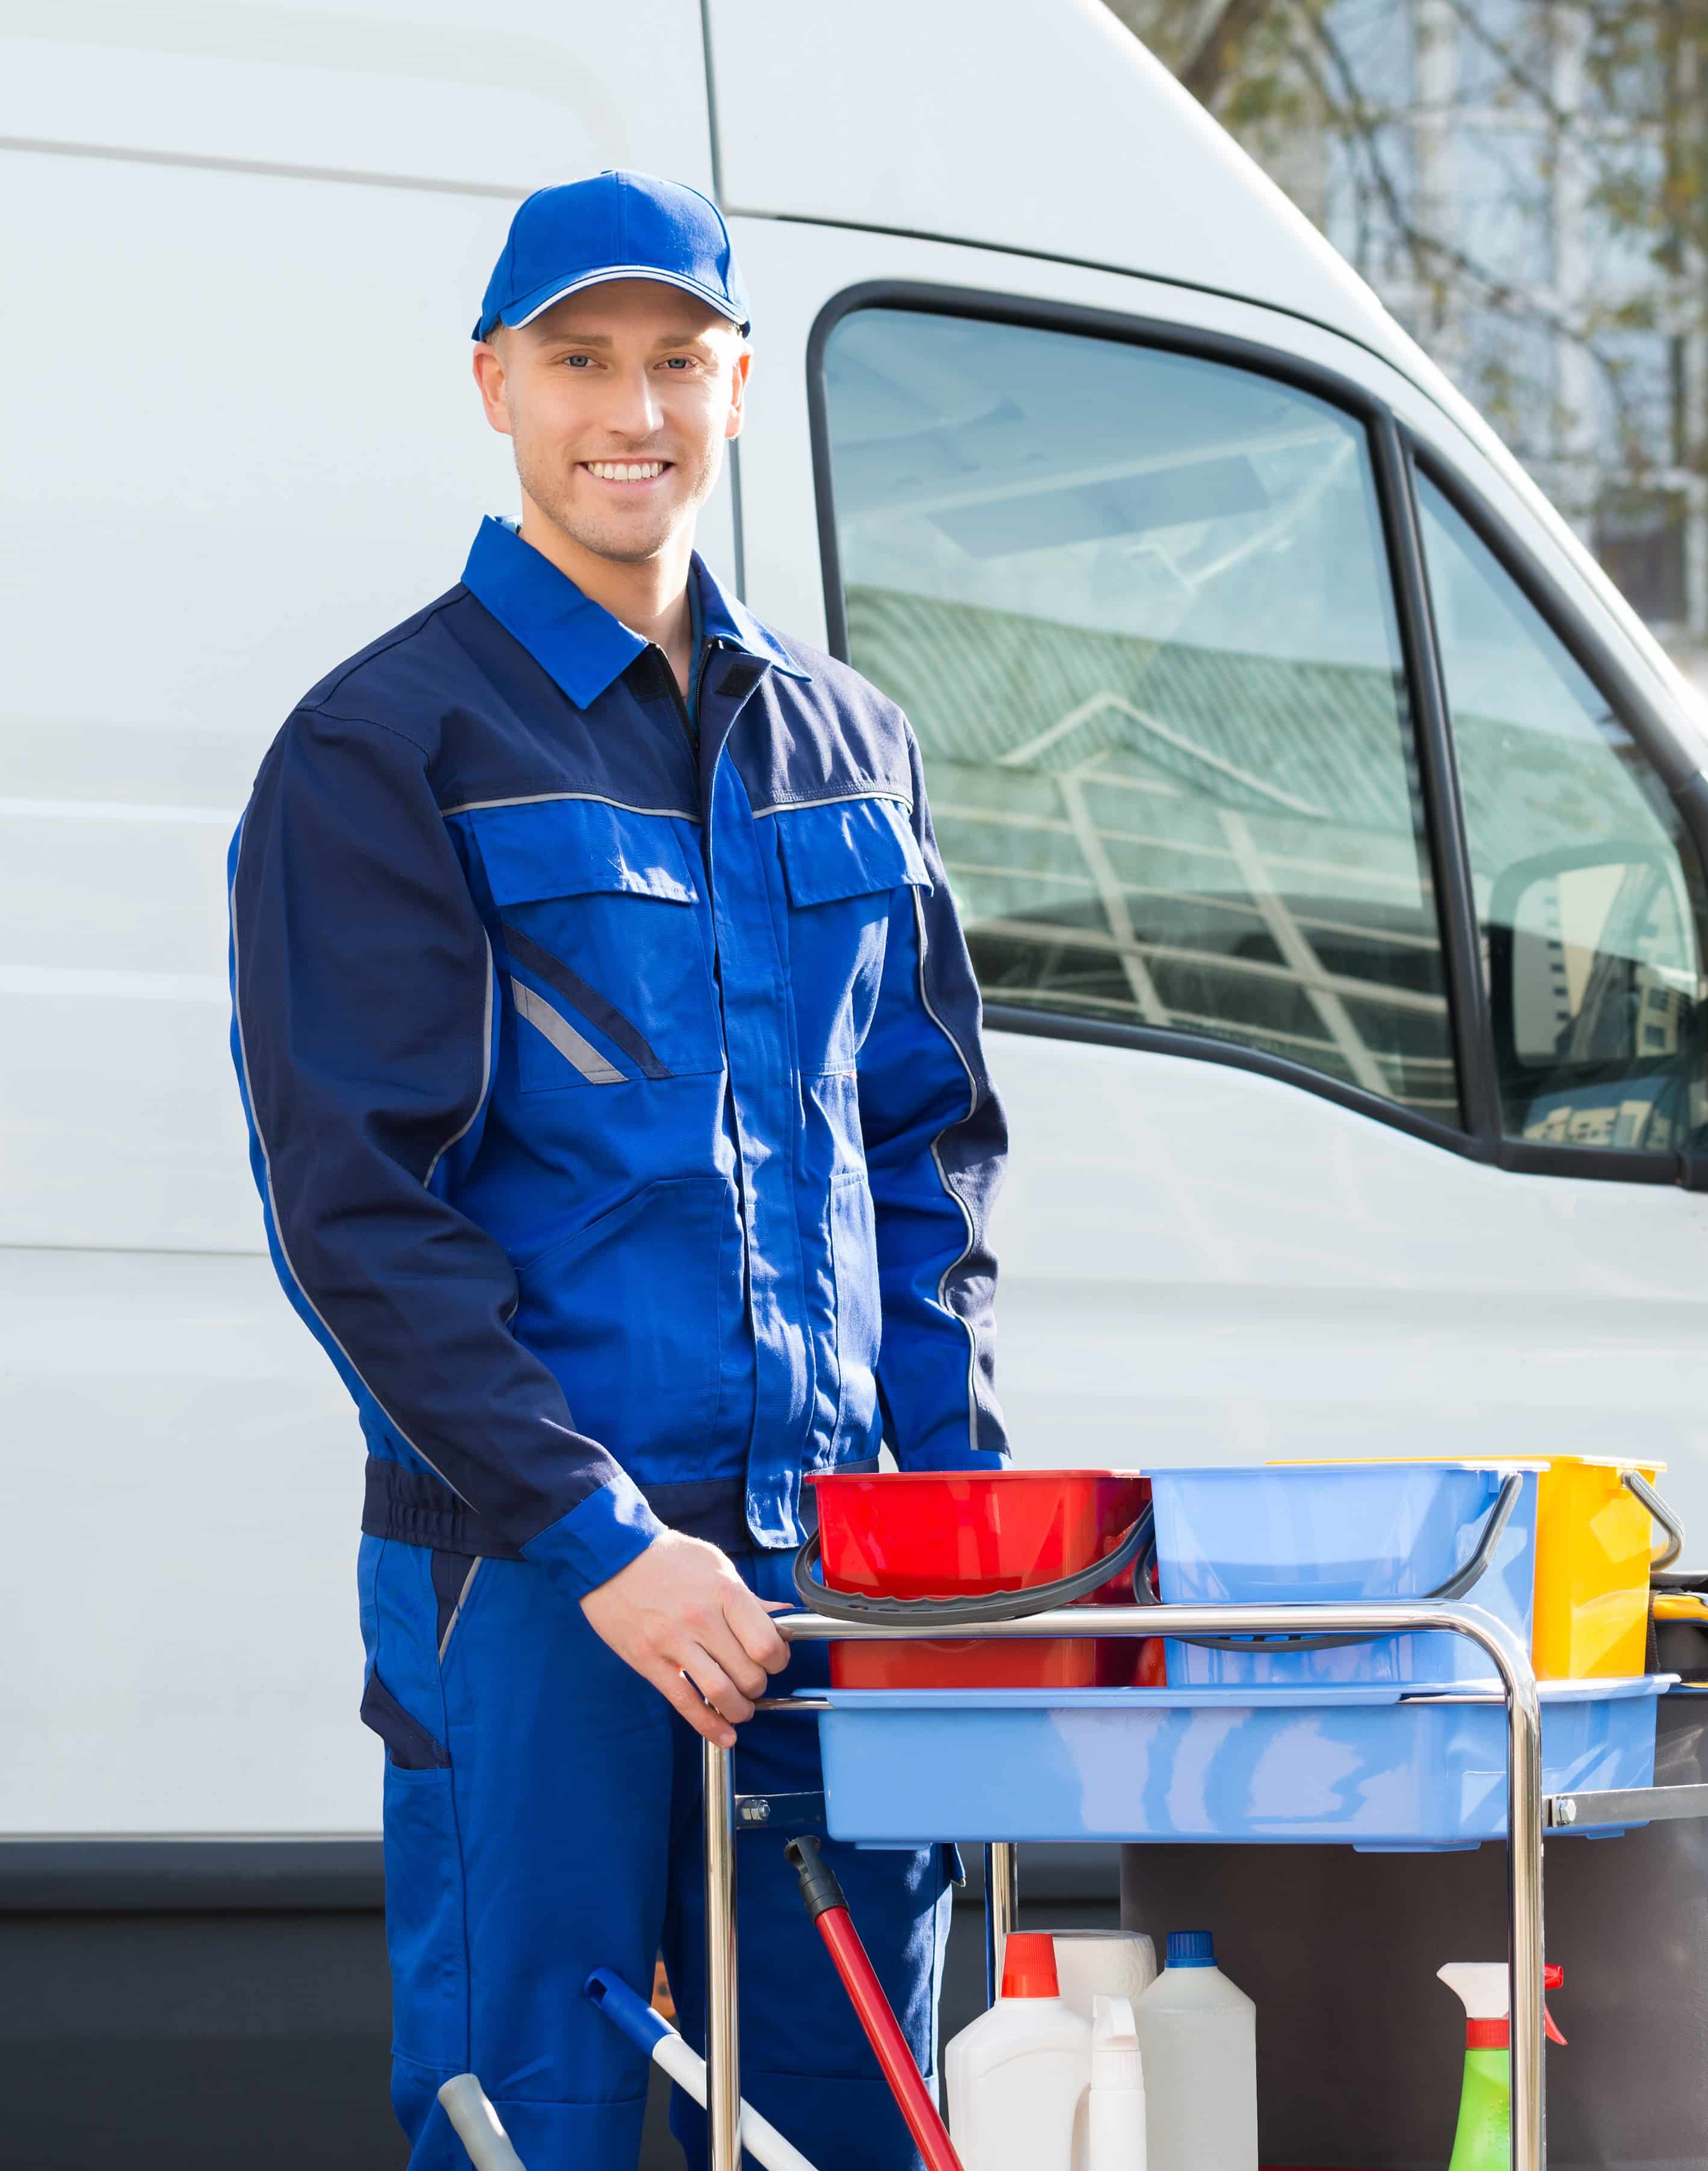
959, 1534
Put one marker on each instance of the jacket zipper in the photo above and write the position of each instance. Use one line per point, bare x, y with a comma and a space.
742, 1187
676, 696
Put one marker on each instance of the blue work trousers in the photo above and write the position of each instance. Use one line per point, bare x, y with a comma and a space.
543, 1818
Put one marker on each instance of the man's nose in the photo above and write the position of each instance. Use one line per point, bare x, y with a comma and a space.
632, 408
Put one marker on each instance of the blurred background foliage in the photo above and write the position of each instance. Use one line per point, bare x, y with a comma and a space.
1522, 182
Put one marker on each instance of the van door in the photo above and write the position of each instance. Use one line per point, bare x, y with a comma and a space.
1341, 946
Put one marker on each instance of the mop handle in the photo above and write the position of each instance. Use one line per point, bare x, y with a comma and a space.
654, 2034
828, 1908
476, 2124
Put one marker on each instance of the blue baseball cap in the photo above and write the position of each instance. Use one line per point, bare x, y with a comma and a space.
615, 226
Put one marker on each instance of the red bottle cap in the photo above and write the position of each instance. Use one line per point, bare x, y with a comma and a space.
1029, 1964
1498, 2035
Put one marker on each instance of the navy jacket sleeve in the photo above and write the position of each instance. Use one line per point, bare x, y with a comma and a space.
936, 1145
363, 1030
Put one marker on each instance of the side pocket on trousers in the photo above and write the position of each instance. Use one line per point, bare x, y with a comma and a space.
423, 1886
426, 1932
425, 1935
409, 1746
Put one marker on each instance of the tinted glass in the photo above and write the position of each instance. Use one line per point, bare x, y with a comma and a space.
1589, 892
1138, 608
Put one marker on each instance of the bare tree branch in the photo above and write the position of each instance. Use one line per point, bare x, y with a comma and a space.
1435, 259
1220, 45
1292, 76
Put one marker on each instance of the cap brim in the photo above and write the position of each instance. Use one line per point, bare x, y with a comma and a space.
535, 304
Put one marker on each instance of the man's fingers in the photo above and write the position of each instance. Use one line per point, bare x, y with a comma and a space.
750, 1622
677, 1688
715, 1686
716, 1631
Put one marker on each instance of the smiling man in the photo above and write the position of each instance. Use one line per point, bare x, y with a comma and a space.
611, 1056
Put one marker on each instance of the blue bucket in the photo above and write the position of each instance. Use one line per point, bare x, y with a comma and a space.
1280, 1534
1374, 1767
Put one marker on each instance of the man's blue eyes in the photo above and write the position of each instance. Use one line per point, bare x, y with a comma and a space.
670, 361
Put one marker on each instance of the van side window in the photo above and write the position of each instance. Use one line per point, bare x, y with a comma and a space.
1589, 892
1138, 608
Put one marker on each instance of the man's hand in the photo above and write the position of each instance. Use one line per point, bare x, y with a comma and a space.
681, 1610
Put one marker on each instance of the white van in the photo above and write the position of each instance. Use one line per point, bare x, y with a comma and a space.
1329, 835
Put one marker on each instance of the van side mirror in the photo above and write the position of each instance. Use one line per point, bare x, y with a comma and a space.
1594, 983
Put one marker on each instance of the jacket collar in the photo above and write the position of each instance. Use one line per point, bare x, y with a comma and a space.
578, 642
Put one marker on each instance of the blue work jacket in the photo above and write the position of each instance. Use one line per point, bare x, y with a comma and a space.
612, 1072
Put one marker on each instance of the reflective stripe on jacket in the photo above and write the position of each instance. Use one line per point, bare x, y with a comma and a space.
614, 1086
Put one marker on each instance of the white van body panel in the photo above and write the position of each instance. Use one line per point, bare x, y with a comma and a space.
183, 1486
430, 93
1201, 1265
1051, 130
287, 214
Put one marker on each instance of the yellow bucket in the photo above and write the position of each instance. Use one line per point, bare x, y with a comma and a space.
1595, 1548
1595, 1544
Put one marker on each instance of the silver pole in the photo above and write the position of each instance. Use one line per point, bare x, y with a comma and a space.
1381, 1617
1525, 1944
723, 2041
1002, 1906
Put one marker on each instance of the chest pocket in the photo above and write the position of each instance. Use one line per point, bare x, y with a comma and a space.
600, 939
847, 866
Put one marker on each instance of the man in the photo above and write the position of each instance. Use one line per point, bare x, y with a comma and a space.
611, 1055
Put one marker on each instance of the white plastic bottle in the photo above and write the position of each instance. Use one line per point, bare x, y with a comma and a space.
1115, 2101
1198, 2037
1016, 2073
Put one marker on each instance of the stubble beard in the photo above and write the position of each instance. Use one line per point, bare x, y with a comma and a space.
553, 485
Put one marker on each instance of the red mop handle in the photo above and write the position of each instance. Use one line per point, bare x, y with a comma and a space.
828, 1908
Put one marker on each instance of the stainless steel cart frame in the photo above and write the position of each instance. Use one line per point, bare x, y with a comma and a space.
1524, 1815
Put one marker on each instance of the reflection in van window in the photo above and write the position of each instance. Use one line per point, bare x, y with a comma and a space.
1138, 609
1589, 892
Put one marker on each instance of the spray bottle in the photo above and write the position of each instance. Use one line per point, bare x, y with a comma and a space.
1483, 2141
1114, 2102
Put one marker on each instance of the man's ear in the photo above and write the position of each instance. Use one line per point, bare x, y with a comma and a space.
738, 390
492, 377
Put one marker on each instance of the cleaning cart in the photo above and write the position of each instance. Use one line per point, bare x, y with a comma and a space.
1406, 1722
1341, 1658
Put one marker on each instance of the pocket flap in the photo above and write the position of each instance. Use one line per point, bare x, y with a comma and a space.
580, 847
408, 1744
847, 848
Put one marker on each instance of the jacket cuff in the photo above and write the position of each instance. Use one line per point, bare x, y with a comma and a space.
596, 1539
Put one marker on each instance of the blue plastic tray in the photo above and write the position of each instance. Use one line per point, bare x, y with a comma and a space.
1282, 1534
1374, 1765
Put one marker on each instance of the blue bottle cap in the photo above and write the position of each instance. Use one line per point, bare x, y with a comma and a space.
1191, 1949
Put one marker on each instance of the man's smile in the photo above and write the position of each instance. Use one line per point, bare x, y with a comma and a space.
627, 473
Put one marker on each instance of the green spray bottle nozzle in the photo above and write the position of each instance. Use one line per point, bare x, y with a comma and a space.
1483, 2141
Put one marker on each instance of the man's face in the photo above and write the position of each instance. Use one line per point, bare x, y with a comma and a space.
618, 401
